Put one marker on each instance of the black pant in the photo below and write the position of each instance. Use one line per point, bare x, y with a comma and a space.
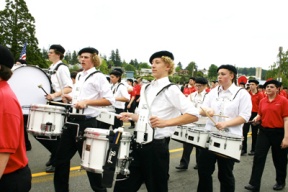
187, 150
150, 165
117, 122
254, 128
206, 167
17, 181
269, 138
131, 110
27, 141
66, 150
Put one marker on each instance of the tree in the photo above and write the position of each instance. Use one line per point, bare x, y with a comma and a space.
192, 68
179, 65
104, 67
74, 59
129, 67
18, 28
212, 72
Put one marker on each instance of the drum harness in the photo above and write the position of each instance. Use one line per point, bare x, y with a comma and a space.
145, 137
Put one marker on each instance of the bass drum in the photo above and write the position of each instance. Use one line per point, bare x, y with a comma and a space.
25, 83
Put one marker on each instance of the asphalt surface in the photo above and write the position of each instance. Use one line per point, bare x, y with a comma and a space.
180, 181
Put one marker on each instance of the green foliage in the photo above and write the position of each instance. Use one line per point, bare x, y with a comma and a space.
104, 67
212, 72
18, 27
192, 68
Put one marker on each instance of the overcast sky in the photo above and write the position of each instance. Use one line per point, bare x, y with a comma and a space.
246, 33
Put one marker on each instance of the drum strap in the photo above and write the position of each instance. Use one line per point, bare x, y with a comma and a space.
111, 159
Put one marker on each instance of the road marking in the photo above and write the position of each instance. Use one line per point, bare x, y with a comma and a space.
77, 168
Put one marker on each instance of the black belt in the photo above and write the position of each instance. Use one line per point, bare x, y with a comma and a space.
80, 118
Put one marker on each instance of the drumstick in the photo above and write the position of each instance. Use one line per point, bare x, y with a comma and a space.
207, 114
59, 103
40, 86
106, 111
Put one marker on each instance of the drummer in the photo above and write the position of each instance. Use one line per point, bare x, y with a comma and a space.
164, 107
91, 89
228, 100
61, 84
197, 99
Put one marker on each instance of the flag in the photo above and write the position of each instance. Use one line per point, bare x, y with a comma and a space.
23, 52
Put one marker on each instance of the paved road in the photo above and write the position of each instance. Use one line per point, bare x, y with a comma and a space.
180, 181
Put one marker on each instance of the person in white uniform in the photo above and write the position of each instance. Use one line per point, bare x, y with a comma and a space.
91, 89
197, 99
163, 107
226, 100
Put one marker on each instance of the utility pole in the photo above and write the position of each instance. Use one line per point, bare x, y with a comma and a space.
280, 63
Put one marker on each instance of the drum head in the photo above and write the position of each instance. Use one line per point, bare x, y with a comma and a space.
25, 81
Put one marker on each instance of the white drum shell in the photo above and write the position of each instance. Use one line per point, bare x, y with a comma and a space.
43, 115
95, 149
24, 83
124, 148
198, 136
227, 144
180, 134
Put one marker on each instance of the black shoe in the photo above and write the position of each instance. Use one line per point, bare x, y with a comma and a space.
182, 167
195, 167
50, 169
48, 163
243, 153
251, 188
251, 153
28, 147
131, 127
278, 187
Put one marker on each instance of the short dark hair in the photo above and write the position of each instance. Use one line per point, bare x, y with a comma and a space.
5, 73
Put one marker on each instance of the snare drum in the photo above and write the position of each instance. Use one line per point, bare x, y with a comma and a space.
123, 154
180, 134
25, 81
46, 120
226, 144
95, 148
198, 136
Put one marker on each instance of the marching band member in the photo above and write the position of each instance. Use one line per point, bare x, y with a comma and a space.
162, 110
61, 84
256, 97
15, 175
120, 93
91, 89
234, 102
197, 99
273, 132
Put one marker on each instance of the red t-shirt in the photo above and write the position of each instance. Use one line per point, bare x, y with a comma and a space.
256, 98
137, 89
188, 90
272, 113
11, 129
131, 93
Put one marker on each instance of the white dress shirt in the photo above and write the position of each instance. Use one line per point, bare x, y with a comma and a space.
197, 99
224, 103
120, 91
95, 87
61, 79
170, 103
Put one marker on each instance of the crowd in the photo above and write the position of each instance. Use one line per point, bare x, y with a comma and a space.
154, 110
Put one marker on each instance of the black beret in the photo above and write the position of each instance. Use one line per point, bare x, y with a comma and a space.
6, 57
88, 50
160, 54
253, 81
58, 48
272, 81
228, 67
116, 71
201, 80
193, 78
